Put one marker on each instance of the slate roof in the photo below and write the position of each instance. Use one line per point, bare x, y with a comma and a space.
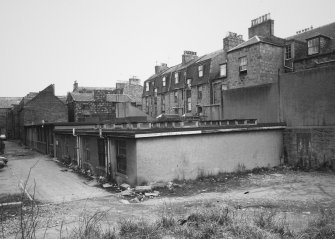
85, 88
326, 30
81, 96
88, 97
29, 97
7, 102
62, 98
119, 98
257, 39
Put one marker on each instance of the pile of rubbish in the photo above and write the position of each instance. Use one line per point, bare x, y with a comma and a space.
3, 162
139, 193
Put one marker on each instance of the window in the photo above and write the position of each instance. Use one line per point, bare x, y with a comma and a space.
199, 92
101, 152
313, 46
288, 50
216, 93
223, 70
243, 62
175, 97
121, 156
146, 86
164, 81
163, 104
176, 78
155, 92
188, 82
200, 71
189, 104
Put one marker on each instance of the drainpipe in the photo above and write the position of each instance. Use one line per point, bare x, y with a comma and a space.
279, 98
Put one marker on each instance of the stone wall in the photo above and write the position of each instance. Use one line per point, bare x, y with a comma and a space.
310, 147
263, 63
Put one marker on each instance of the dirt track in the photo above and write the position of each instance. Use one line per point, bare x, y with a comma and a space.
297, 194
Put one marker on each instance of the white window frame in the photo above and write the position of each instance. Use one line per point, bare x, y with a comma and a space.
223, 70
313, 46
189, 82
164, 81
288, 52
243, 63
201, 71
176, 77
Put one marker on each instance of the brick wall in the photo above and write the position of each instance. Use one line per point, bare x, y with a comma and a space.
310, 147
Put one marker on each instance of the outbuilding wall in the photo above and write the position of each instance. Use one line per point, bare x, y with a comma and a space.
187, 157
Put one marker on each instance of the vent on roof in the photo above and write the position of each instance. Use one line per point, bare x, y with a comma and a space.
305, 30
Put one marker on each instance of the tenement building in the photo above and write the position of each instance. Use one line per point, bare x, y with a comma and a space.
267, 78
192, 87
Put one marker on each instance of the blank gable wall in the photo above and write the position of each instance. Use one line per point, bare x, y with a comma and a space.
47, 107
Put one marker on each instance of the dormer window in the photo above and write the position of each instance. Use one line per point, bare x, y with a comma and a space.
313, 46
176, 78
164, 81
288, 52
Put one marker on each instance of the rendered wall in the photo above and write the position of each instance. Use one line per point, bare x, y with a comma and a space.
258, 102
308, 97
186, 157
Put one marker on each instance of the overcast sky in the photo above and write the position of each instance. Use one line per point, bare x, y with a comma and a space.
100, 42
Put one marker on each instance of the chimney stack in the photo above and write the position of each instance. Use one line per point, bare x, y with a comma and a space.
159, 69
75, 86
188, 56
231, 40
262, 26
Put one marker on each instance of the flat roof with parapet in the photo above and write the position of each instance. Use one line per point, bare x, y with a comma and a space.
163, 129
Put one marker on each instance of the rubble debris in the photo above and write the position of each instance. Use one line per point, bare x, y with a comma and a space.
127, 192
124, 186
155, 185
143, 189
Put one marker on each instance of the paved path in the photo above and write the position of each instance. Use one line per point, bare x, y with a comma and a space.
47, 182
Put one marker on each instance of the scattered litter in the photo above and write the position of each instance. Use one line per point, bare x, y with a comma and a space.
143, 189
153, 194
124, 201
92, 183
306, 213
64, 170
107, 185
158, 185
127, 192
135, 200
124, 186
246, 192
